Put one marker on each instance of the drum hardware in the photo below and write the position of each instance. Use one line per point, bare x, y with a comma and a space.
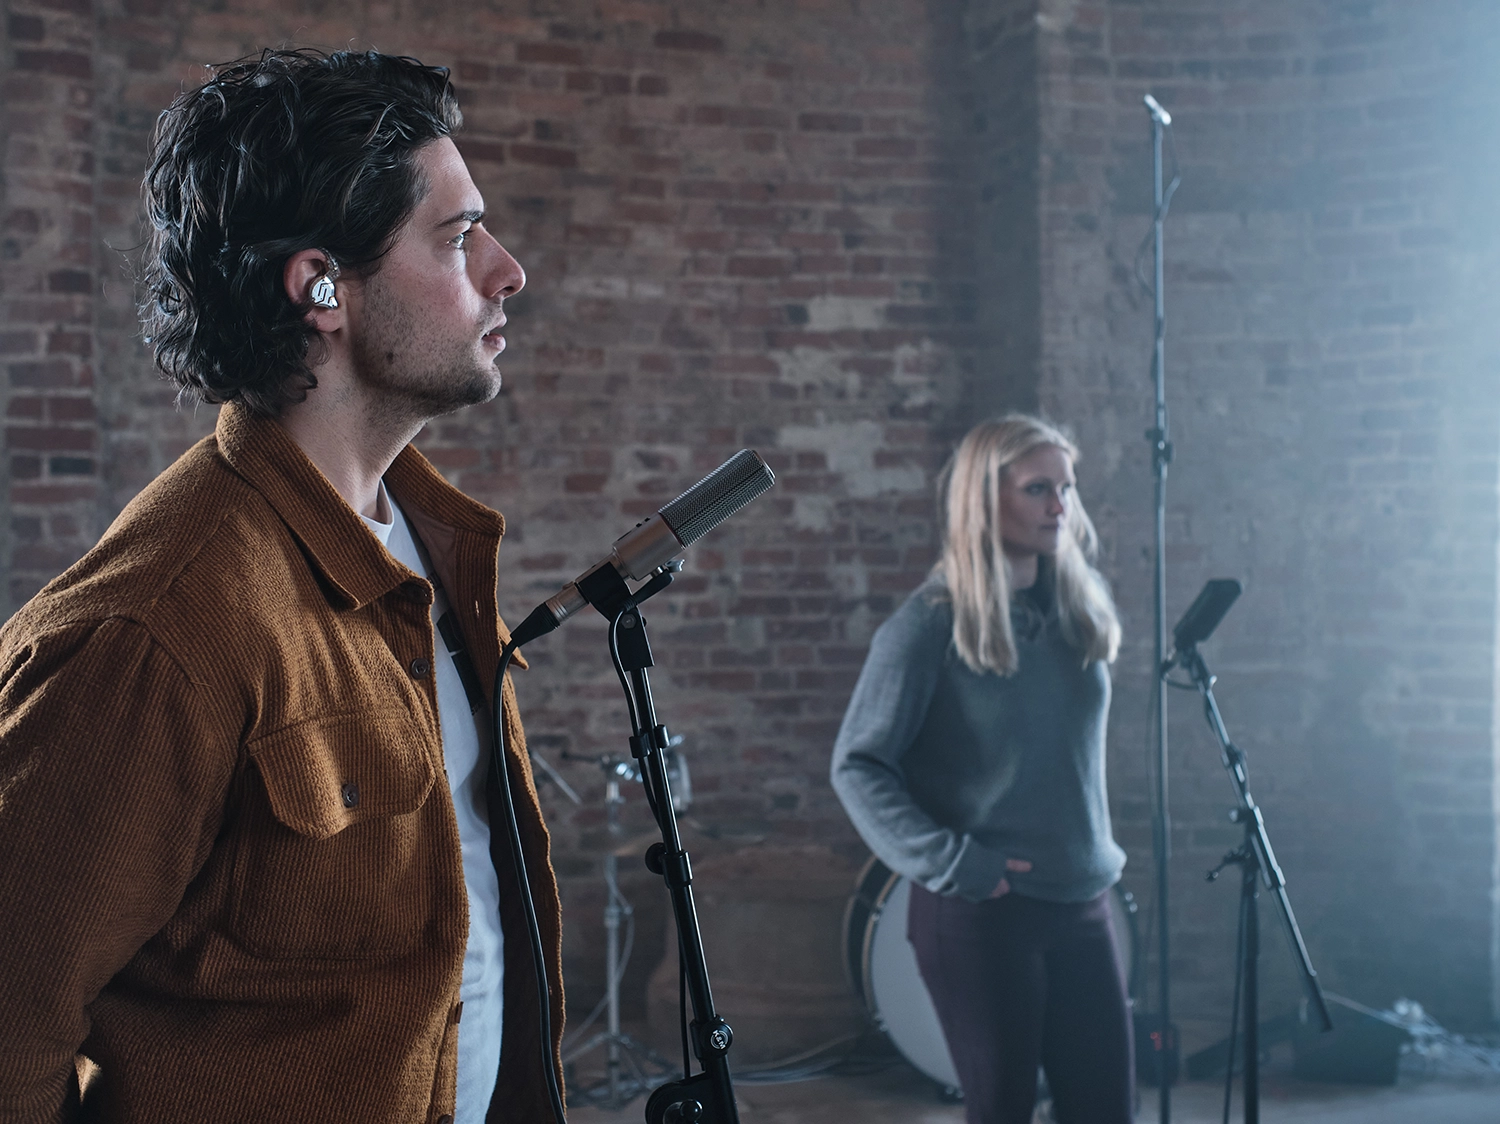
631, 1068
543, 770
882, 969
617, 769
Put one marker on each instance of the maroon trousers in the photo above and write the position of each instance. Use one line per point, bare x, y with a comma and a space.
1017, 983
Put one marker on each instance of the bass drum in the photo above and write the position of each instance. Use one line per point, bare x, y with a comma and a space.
882, 966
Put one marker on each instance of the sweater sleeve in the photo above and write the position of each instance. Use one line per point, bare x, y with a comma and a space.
885, 715
112, 785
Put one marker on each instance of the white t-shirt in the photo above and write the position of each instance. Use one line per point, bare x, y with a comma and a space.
465, 755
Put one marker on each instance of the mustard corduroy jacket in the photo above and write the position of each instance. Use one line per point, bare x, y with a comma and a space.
230, 879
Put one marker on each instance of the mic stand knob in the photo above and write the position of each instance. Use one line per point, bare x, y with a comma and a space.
680, 1102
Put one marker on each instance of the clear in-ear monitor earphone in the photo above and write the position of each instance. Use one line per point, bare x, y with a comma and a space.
323, 289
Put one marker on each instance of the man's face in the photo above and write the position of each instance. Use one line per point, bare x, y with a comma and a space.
425, 329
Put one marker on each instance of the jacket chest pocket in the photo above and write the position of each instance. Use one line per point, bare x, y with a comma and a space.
338, 855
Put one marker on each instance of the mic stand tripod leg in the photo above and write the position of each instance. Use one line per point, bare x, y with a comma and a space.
1246, 976
1249, 892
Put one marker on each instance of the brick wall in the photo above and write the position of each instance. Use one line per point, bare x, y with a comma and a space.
47, 289
1001, 41
759, 244
838, 233
1335, 415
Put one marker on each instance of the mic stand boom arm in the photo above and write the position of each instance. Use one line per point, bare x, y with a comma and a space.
1255, 829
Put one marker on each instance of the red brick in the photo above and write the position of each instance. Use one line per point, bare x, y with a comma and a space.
26, 29
830, 122
557, 53
545, 157
655, 214
481, 151
70, 408
70, 343
45, 373
885, 148
758, 266
22, 220
688, 41
18, 342
49, 438
599, 235
741, 117
61, 64
63, 526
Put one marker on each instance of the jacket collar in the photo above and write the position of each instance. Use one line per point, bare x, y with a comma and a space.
355, 565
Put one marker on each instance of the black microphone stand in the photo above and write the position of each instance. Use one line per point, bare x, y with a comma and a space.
1257, 862
706, 1097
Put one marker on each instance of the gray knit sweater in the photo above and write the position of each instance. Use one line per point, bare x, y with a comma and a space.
947, 773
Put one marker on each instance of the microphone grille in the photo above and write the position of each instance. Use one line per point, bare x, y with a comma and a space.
718, 495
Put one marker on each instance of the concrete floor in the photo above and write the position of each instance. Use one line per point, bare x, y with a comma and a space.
899, 1095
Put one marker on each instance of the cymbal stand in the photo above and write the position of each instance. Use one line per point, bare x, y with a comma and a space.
626, 1060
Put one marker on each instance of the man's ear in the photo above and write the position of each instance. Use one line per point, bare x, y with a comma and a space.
310, 278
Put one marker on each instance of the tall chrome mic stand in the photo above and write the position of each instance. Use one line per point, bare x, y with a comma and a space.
1161, 457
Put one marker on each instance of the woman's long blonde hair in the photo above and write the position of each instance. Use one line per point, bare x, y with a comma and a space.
973, 565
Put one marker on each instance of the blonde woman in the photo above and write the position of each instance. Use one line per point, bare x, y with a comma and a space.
971, 760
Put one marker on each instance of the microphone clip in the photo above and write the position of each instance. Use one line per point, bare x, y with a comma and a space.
1178, 657
604, 589
607, 592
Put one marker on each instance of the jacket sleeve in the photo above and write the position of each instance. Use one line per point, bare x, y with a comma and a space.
111, 792
885, 715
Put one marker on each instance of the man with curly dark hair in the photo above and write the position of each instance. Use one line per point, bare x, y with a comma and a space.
245, 802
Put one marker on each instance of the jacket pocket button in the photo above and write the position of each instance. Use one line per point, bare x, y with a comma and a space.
420, 667
350, 792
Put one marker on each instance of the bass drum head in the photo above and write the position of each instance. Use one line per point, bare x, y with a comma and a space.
883, 967
896, 995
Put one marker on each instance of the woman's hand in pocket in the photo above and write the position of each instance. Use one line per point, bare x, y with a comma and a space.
1016, 866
